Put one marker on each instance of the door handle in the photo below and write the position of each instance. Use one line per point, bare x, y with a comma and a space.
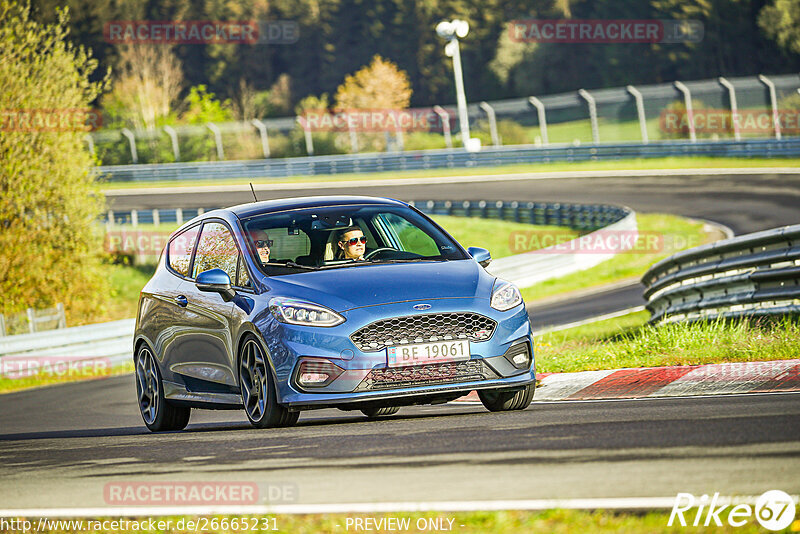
181, 301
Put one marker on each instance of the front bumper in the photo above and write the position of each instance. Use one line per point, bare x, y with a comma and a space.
411, 395
487, 367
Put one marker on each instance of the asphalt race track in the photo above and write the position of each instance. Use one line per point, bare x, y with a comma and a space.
584, 307
62, 445
745, 203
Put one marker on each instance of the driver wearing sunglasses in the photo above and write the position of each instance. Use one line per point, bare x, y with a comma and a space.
352, 243
262, 243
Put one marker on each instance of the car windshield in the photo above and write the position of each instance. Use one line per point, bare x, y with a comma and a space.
345, 236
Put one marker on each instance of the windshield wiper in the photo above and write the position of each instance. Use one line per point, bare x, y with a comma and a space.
405, 260
292, 264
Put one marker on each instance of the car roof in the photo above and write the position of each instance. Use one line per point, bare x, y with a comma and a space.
244, 211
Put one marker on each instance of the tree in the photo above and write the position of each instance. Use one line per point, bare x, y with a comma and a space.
781, 22
380, 85
280, 96
50, 250
147, 85
203, 106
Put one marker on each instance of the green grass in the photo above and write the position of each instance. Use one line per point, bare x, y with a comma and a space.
126, 282
628, 342
56, 374
598, 329
609, 131
615, 131
499, 522
627, 164
495, 235
672, 233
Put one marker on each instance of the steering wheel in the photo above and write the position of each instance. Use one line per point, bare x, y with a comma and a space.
372, 253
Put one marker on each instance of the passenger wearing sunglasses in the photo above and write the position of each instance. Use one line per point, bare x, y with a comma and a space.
263, 243
352, 243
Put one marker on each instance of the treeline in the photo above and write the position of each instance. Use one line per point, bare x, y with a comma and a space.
337, 37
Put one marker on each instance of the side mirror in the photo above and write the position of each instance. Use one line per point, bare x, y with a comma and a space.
481, 255
216, 281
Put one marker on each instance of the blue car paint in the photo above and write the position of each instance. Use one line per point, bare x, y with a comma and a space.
362, 294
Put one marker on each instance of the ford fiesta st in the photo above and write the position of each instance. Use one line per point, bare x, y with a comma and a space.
356, 303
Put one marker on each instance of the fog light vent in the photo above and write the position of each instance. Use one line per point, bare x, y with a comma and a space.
316, 373
519, 355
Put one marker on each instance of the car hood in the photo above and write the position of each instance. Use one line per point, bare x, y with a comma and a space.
369, 285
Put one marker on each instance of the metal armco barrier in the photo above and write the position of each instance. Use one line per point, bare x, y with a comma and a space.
752, 275
537, 266
446, 158
110, 341
577, 216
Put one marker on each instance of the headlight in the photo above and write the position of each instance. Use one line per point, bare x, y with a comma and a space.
303, 313
505, 296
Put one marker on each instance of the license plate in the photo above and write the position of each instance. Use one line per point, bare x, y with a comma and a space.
422, 353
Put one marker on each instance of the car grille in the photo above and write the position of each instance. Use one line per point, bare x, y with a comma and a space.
422, 329
428, 374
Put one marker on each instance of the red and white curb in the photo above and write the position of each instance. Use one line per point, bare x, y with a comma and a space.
678, 381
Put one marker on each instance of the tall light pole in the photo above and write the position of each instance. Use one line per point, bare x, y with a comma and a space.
451, 31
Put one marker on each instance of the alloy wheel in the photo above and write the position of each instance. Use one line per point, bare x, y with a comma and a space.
147, 384
254, 380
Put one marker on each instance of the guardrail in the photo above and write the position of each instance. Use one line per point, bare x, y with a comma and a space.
52, 318
752, 275
112, 342
578, 216
543, 264
445, 158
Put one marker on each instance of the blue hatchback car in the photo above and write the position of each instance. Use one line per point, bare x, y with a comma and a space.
357, 303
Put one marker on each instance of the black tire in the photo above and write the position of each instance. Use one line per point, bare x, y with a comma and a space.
380, 412
259, 394
504, 400
158, 414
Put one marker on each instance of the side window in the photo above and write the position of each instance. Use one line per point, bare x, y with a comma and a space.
288, 246
412, 239
242, 278
216, 250
180, 249
282, 244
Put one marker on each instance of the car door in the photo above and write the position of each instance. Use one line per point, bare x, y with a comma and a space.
166, 307
203, 351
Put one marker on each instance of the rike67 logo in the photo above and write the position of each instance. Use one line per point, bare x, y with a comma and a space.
774, 510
